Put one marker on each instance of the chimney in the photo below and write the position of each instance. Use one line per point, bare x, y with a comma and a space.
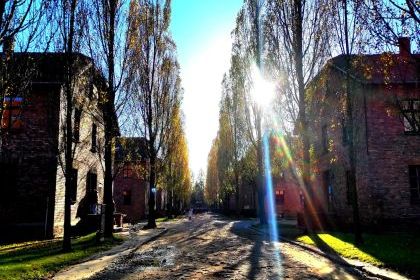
404, 46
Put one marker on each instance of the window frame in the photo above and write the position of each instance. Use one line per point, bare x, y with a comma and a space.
324, 138
12, 111
414, 183
410, 111
76, 124
127, 197
94, 140
73, 188
126, 171
349, 187
345, 133
280, 197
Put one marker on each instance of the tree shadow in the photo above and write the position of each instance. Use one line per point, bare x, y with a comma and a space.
254, 260
241, 228
334, 256
399, 251
35, 252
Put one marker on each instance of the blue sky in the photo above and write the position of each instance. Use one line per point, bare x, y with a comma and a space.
201, 30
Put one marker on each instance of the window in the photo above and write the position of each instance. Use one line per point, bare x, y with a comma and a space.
345, 132
328, 189
73, 189
280, 197
127, 197
410, 110
126, 171
91, 183
324, 139
90, 90
349, 187
414, 174
12, 113
91, 192
76, 130
94, 144
301, 198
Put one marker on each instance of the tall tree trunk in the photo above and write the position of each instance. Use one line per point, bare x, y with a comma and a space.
69, 131
261, 192
151, 222
109, 124
352, 180
298, 59
237, 195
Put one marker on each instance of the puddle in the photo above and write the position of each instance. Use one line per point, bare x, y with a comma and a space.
157, 257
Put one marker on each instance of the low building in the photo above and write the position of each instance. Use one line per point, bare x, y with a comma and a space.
385, 105
32, 147
288, 196
131, 187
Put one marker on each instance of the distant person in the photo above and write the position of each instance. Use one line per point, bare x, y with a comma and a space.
190, 214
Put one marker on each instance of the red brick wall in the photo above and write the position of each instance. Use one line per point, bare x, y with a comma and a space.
32, 153
383, 151
133, 183
391, 151
292, 202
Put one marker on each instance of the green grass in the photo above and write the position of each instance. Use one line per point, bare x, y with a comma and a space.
39, 259
400, 251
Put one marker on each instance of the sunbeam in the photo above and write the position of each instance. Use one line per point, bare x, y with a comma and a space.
271, 213
309, 200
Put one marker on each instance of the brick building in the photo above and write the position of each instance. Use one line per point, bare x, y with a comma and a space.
385, 96
288, 196
130, 184
32, 148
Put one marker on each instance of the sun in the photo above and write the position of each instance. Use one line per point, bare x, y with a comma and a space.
262, 90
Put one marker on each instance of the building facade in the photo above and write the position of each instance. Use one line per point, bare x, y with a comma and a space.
288, 196
32, 147
384, 94
130, 183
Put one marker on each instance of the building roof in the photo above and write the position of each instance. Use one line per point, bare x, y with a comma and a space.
45, 67
385, 68
49, 68
131, 149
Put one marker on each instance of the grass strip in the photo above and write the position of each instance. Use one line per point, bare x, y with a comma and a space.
40, 259
400, 251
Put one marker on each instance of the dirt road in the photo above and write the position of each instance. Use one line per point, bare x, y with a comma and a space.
212, 247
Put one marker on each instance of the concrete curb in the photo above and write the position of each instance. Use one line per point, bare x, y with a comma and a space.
335, 259
98, 262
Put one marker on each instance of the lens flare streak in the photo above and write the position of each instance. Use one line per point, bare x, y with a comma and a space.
271, 213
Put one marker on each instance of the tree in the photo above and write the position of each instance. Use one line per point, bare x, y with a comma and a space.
69, 41
17, 16
386, 21
107, 45
232, 126
22, 25
225, 152
298, 44
212, 188
197, 197
347, 33
69, 20
247, 48
176, 174
153, 80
